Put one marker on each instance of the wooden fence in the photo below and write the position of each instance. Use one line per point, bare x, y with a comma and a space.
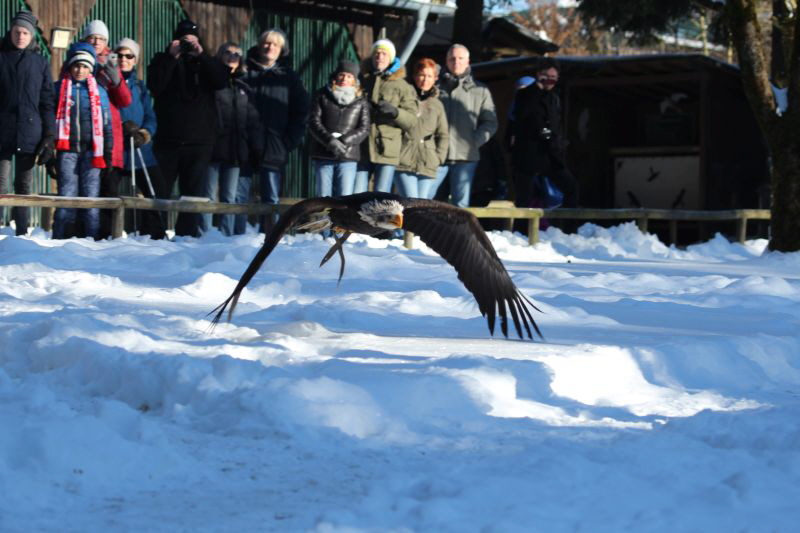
497, 210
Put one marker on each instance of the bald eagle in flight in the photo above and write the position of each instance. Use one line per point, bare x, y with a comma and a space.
453, 233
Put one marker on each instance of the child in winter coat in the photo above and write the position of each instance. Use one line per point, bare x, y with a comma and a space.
84, 140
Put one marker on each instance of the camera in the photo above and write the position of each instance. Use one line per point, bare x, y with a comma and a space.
186, 46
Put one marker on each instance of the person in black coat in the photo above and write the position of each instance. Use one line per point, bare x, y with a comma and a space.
239, 140
282, 103
27, 110
183, 81
338, 123
538, 147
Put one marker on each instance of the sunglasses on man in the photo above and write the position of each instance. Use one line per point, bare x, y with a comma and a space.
127, 56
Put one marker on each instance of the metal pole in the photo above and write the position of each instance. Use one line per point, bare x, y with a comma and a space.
133, 179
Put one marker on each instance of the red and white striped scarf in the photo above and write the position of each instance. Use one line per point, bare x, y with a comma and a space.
65, 103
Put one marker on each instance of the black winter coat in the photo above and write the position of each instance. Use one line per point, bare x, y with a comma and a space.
328, 116
27, 101
183, 93
534, 150
282, 103
239, 128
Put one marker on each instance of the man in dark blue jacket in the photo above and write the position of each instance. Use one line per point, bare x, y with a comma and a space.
282, 103
27, 111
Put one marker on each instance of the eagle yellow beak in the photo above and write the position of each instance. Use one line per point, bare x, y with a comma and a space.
397, 220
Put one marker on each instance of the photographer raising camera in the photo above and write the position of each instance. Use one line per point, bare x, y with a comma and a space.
538, 149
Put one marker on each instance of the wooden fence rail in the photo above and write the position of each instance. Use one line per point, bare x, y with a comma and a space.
498, 209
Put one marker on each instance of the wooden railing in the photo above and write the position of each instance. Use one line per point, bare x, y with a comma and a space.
497, 209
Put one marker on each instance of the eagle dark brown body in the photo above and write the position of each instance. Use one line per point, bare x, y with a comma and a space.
453, 233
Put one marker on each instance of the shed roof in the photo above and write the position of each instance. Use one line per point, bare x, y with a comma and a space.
358, 11
630, 68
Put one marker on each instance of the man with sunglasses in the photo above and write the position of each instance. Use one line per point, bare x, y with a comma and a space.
538, 143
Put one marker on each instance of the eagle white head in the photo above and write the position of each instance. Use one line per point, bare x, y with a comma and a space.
384, 214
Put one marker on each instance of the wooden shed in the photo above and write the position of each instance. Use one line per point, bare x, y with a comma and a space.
662, 131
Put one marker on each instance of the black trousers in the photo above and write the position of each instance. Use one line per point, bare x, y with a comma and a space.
188, 164
23, 179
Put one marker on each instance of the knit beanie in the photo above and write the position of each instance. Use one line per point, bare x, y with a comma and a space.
26, 19
96, 27
81, 52
346, 65
387, 45
130, 44
185, 27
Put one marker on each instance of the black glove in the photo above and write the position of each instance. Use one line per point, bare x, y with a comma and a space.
112, 70
45, 150
108, 157
52, 168
337, 147
140, 137
129, 126
385, 110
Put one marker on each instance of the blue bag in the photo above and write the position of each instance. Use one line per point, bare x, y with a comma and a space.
551, 196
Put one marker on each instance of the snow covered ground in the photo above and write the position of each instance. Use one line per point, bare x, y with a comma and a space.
665, 398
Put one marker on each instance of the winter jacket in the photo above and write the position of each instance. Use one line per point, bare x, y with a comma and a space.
535, 151
141, 112
425, 146
27, 112
386, 136
470, 115
282, 103
183, 92
328, 117
238, 125
119, 96
80, 118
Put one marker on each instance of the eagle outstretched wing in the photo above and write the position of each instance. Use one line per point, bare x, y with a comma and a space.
457, 236
289, 219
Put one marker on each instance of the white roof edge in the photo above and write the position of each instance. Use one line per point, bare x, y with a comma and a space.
439, 7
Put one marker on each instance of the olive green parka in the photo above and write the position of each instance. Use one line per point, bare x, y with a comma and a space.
386, 135
425, 146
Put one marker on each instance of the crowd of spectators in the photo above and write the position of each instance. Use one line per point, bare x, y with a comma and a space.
212, 123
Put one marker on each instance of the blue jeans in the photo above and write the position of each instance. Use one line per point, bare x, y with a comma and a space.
270, 181
461, 175
77, 177
413, 185
335, 178
243, 185
384, 175
220, 185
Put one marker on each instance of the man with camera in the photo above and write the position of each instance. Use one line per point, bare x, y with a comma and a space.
182, 81
537, 148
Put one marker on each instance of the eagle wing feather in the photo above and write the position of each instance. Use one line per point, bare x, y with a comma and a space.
457, 236
288, 220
